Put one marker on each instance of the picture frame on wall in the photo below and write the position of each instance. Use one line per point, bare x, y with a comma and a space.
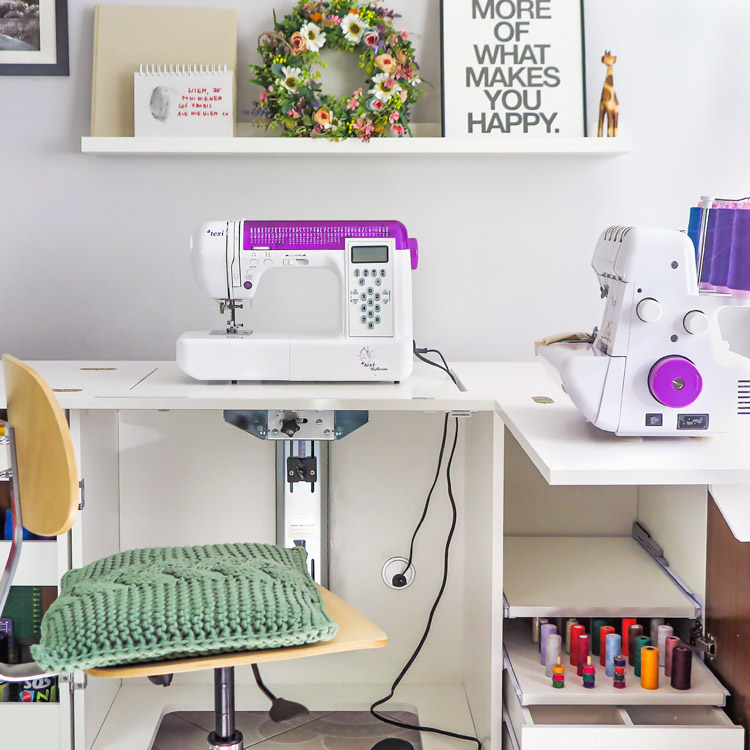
513, 68
34, 38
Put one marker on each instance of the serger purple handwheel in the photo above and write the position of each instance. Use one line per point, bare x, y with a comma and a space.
675, 381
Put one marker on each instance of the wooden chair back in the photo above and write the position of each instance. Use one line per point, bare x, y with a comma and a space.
45, 461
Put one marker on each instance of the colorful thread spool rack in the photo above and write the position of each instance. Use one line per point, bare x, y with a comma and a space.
589, 674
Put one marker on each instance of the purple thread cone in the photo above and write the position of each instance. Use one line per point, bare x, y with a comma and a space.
738, 278
546, 630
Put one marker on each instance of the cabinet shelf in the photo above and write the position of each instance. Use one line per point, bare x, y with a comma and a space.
534, 688
273, 146
588, 577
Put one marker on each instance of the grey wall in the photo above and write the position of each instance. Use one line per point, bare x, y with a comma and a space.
93, 249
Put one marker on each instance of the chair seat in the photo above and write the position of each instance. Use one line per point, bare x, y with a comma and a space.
171, 603
355, 632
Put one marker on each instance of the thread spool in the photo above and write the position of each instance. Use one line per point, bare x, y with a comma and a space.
663, 633
682, 665
589, 674
650, 668
640, 642
554, 651
575, 631
672, 641
536, 624
654, 634
634, 631
619, 678
546, 630
596, 625
558, 674
613, 648
626, 623
604, 632
571, 621
584, 650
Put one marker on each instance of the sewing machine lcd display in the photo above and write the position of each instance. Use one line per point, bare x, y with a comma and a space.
372, 260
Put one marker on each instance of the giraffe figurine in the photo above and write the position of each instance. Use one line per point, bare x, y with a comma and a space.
609, 104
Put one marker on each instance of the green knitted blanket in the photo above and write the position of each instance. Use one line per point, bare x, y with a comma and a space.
173, 602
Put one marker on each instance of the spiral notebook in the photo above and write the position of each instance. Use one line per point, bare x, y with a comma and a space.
184, 100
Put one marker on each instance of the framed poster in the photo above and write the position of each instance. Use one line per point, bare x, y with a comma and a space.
513, 67
34, 38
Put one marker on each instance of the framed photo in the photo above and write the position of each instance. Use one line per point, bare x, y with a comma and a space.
513, 67
34, 38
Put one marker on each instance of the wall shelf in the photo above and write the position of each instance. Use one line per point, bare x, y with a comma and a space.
273, 146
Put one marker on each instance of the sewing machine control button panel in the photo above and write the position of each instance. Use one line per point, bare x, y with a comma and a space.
370, 270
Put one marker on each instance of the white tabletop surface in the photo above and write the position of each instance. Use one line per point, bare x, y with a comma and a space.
564, 447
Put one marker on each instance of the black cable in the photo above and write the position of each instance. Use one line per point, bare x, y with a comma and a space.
419, 352
425, 634
427, 501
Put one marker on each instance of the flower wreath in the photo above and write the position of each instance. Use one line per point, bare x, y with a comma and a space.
291, 94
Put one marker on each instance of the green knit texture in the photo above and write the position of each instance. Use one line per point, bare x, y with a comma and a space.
173, 602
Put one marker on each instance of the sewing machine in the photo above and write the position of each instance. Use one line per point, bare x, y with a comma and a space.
372, 260
658, 364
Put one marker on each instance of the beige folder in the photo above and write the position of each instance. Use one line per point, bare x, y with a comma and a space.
126, 36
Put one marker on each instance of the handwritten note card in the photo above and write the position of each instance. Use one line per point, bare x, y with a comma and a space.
184, 100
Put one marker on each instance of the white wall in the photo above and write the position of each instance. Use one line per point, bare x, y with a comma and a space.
93, 249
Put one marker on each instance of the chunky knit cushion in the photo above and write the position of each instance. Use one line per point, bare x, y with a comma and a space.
167, 603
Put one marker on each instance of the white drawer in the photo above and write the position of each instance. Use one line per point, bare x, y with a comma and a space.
616, 727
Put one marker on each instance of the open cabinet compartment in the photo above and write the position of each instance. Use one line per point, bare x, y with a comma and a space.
157, 478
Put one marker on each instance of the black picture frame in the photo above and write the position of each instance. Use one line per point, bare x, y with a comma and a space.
584, 93
61, 66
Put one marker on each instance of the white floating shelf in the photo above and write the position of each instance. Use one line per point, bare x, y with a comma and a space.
588, 577
274, 146
38, 563
536, 688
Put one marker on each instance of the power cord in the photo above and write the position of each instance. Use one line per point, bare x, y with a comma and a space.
425, 634
418, 353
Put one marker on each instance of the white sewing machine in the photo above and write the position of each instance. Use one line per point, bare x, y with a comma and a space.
658, 364
373, 261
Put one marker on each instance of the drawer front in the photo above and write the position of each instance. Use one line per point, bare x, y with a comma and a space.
597, 727
30, 725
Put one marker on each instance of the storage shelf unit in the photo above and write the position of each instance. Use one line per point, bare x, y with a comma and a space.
563, 577
536, 688
273, 146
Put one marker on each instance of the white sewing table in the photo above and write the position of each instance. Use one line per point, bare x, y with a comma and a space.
161, 467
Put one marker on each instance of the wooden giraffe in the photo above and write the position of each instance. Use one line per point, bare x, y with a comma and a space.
609, 104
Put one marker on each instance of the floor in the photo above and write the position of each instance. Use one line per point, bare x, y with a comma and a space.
338, 730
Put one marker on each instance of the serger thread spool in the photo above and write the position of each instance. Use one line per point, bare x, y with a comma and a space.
664, 632
619, 678
604, 632
584, 649
536, 624
626, 624
589, 674
571, 621
672, 641
613, 648
542, 621
554, 650
654, 634
596, 643
682, 665
575, 631
640, 642
634, 631
650, 668
558, 674
546, 630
